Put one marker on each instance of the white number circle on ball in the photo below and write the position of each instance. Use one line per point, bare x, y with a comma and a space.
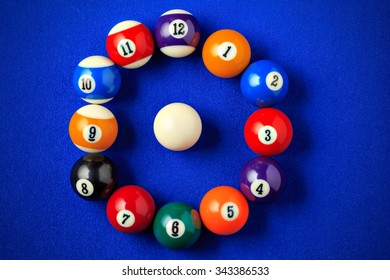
84, 187
230, 211
260, 188
125, 218
227, 51
86, 83
178, 29
92, 133
267, 135
126, 48
175, 228
274, 81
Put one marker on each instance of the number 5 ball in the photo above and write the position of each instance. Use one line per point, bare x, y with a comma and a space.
224, 210
130, 209
268, 131
93, 128
264, 83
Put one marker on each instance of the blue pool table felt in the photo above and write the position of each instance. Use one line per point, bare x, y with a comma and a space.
336, 204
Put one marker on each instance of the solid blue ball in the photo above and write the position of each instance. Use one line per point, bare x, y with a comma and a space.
264, 83
96, 79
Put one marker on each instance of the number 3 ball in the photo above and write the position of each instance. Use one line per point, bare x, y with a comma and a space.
264, 83
261, 179
92, 177
224, 210
96, 79
177, 225
177, 33
93, 128
268, 131
130, 44
130, 209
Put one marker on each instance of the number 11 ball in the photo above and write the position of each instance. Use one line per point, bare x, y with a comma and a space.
264, 83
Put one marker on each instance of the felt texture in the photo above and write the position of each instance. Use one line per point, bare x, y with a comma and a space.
336, 204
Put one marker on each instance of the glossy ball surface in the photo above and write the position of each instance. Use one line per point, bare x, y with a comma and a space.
92, 177
261, 179
96, 79
177, 126
130, 44
268, 131
224, 210
177, 225
93, 128
177, 33
264, 83
226, 53
130, 209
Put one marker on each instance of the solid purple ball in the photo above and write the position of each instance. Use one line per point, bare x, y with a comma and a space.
261, 179
177, 33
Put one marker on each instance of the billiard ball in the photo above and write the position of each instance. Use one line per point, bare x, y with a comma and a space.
130, 44
226, 53
177, 33
96, 79
93, 128
177, 126
264, 83
130, 209
261, 179
268, 131
224, 210
177, 225
92, 177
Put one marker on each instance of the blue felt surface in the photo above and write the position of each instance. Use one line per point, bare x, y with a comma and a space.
337, 201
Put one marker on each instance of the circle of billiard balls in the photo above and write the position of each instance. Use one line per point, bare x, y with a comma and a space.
226, 53
92, 177
177, 225
268, 131
177, 33
262, 179
93, 128
130, 44
224, 210
96, 79
264, 83
177, 126
130, 209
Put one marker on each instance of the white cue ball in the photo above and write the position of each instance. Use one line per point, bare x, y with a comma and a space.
177, 126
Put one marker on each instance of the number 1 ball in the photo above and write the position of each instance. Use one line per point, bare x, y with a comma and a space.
262, 179
264, 83
92, 177
177, 225
130, 209
268, 132
224, 210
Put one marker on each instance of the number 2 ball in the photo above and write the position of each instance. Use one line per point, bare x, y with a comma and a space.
177, 33
92, 177
177, 225
93, 128
268, 131
130, 209
96, 79
224, 210
130, 44
262, 179
264, 83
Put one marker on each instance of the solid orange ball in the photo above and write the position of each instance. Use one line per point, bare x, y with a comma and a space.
226, 53
224, 210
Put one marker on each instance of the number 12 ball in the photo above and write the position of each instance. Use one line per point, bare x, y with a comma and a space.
264, 83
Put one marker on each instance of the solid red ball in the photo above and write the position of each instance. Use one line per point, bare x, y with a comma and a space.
130, 209
268, 132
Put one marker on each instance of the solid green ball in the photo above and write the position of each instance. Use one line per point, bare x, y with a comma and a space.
177, 225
